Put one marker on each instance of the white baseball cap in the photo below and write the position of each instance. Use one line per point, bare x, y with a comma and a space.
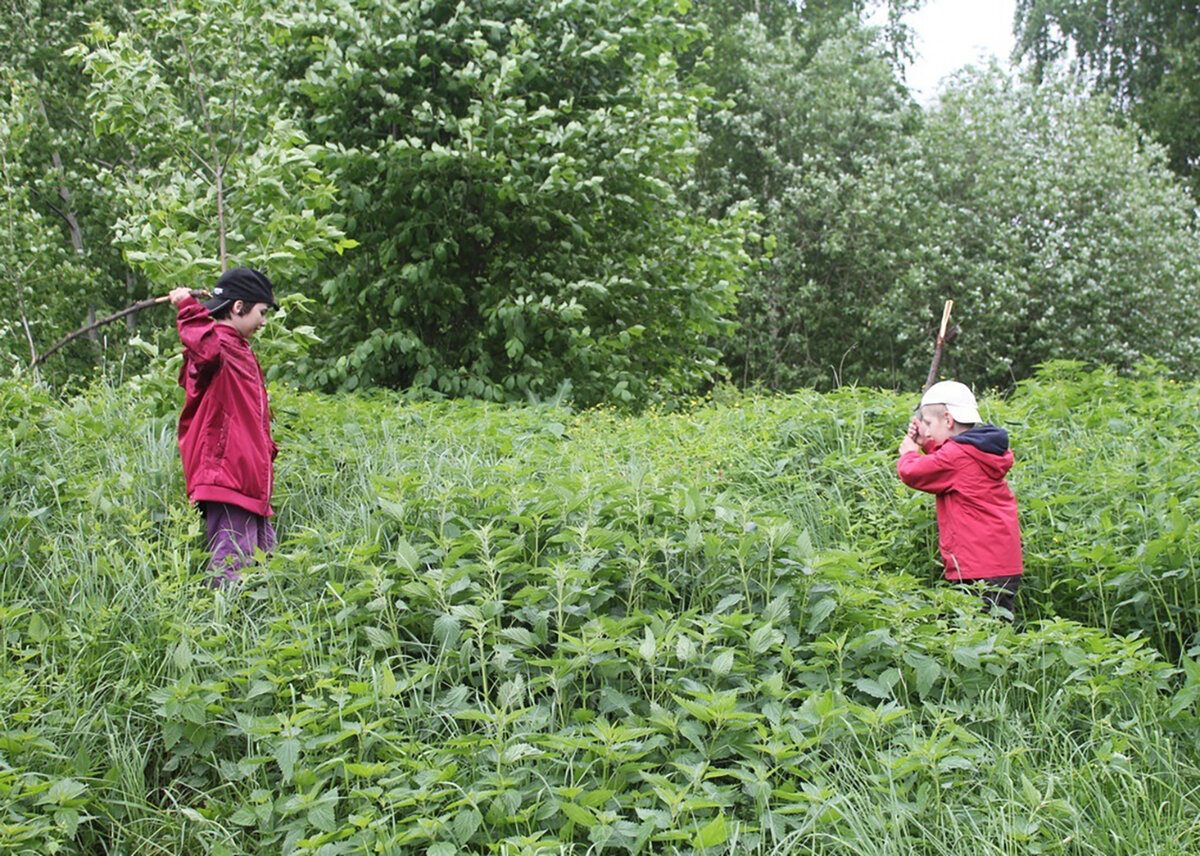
957, 398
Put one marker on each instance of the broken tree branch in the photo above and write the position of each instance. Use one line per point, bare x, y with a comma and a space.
940, 347
116, 316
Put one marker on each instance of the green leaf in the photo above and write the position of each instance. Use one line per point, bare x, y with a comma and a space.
67, 819
244, 816
386, 681
379, 638
872, 687
722, 664
38, 631
685, 649
1191, 668
1073, 656
578, 814
63, 792
181, 656
406, 556
763, 638
395, 510
445, 630
712, 833
466, 823
648, 648
818, 612
927, 671
322, 813
968, 657
286, 752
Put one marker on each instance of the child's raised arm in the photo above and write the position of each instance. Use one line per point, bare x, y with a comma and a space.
196, 328
930, 473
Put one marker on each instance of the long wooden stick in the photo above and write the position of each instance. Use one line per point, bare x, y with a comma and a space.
939, 347
116, 316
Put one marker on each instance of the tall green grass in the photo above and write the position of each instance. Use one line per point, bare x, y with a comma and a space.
524, 630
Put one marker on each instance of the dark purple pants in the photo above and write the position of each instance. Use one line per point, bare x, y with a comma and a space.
233, 535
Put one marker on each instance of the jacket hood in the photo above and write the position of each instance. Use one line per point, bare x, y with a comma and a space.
988, 445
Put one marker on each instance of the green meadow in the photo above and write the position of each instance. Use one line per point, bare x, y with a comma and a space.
716, 629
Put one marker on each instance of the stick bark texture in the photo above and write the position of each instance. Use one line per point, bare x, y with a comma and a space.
116, 316
940, 347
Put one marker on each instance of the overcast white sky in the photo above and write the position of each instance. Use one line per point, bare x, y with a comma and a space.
954, 33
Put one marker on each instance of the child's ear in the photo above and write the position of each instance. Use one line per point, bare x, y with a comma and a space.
238, 308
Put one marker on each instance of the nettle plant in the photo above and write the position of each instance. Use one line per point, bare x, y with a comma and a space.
1111, 502
526, 631
602, 661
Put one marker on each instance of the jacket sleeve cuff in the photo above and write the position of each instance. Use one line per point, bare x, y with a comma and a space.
191, 310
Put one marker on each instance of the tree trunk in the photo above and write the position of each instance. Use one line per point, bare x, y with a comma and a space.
64, 192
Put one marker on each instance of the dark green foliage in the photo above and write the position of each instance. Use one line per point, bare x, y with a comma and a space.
509, 170
803, 132
566, 201
1128, 562
218, 174
512, 170
1104, 480
807, 24
1059, 233
808, 99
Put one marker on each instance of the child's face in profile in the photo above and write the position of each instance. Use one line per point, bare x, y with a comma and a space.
937, 423
251, 322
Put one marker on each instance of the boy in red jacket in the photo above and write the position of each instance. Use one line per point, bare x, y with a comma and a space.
965, 464
225, 426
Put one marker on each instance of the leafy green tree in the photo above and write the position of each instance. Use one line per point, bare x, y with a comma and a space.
809, 24
813, 102
217, 172
1058, 233
1145, 53
55, 171
510, 169
184, 116
29, 256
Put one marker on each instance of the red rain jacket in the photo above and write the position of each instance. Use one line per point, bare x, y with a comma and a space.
225, 427
978, 530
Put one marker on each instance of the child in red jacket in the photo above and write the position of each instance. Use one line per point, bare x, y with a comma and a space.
964, 465
225, 427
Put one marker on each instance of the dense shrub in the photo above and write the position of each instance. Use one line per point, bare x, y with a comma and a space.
510, 171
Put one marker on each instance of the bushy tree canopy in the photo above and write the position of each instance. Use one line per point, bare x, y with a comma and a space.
29, 252
1144, 53
573, 197
510, 170
218, 173
1058, 232
57, 213
804, 125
